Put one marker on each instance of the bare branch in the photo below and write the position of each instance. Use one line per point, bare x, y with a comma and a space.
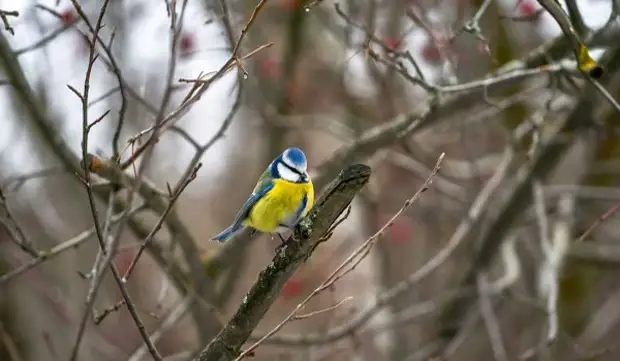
582, 55
518, 199
13, 229
69, 244
4, 15
173, 197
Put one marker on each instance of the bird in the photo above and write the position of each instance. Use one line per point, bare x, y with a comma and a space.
282, 196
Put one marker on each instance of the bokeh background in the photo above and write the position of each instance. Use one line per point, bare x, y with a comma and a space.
513, 276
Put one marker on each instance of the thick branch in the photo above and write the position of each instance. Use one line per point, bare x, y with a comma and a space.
336, 198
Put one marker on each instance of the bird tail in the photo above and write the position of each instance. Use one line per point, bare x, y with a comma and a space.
226, 234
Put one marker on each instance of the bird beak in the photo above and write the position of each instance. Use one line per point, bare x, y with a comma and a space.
305, 177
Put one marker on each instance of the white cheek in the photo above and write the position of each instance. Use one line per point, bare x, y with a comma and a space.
287, 174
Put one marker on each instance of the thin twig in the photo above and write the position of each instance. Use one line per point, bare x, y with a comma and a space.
490, 319
59, 249
576, 18
40, 120
600, 220
173, 317
172, 199
582, 55
108, 251
4, 15
47, 38
15, 232
197, 90
518, 198
323, 310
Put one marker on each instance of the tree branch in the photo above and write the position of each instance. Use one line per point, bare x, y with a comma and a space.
307, 235
518, 199
584, 60
45, 130
4, 15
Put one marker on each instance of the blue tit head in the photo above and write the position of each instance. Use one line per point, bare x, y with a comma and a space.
291, 165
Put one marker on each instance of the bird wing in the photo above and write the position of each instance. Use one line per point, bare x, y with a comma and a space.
292, 220
264, 185
300, 210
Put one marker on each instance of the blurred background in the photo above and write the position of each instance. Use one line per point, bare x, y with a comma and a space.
511, 254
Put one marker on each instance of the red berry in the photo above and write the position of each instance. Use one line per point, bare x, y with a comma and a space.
430, 51
401, 231
290, 4
527, 8
187, 44
68, 16
269, 67
392, 43
291, 288
123, 259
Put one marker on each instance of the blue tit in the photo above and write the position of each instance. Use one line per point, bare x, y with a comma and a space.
282, 197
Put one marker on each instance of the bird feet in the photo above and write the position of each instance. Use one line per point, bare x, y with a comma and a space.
282, 243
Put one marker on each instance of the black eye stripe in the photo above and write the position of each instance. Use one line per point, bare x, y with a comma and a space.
291, 168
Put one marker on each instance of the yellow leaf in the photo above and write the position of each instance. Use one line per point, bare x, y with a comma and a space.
587, 64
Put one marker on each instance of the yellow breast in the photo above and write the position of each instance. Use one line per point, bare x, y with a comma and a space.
278, 204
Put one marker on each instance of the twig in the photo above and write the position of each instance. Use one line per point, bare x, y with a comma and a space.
175, 30
576, 18
541, 215
473, 24
173, 317
71, 243
202, 149
519, 198
198, 89
604, 217
554, 261
4, 14
109, 251
97, 272
369, 142
318, 312
540, 56
172, 199
582, 55
113, 65
41, 121
610, 98
13, 229
98, 317
47, 38
490, 319
370, 36
166, 213
336, 198
170, 118
204, 287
